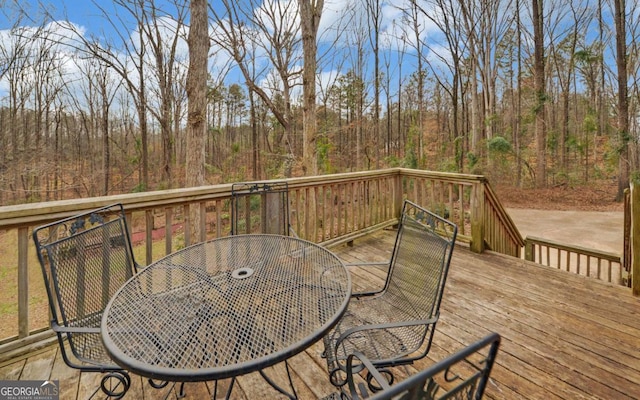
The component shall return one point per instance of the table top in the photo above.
(225, 307)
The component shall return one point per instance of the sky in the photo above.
(88, 17)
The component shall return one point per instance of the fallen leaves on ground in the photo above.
(595, 197)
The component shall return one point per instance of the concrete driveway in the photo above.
(592, 229)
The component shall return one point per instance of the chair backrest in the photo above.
(260, 207)
(84, 260)
(420, 262)
(463, 375)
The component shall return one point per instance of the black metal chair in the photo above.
(462, 375)
(84, 260)
(260, 207)
(395, 325)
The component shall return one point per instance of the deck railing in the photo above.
(632, 237)
(328, 209)
(579, 260)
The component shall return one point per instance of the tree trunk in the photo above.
(198, 42)
(310, 13)
(623, 101)
(540, 127)
(518, 107)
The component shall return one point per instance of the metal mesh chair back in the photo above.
(260, 207)
(395, 326)
(418, 269)
(463, 375)
(84, 259)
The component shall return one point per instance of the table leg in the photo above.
(277, 387)
(214, 395)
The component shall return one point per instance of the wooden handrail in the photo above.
(580, 260)
(501, 234)
(327, 209)
(635, 239)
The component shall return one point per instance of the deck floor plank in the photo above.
(68, 378)
(39, 366)
(12, 371)
(583, 345)
(564, 336)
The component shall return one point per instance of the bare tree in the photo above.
(446, 16)
(100, 93)
(374, 10)
(270, 28)
(414, 34)
(353, 85)
(17, 51)
(150, 52)
(162, 34)
(197, 106)
(620, 21)
(486, 23)
(540, 89)
(310, 13)
(566, 26)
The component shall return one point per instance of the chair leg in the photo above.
(159, 385)
(115, 384)
(371, 382)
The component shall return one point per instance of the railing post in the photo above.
(477, 217)
(635, 240)
(528, 250)
(23, 282)
(399, 195)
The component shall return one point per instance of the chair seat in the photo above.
(462, 375)
(379, 344)
(88, 348)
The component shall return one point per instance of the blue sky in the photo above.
(89, 17)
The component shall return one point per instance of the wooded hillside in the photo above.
(527, 93)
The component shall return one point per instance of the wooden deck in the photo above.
(564, 336)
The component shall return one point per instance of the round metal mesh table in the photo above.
(225, 307)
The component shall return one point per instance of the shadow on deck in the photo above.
(564, 336)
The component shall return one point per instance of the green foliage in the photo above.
(634, 177)
(573, 143)
(447, 165)
(235, 148)
(212, 169)
(410, 155)
(499, 145)
(590, 123)
(410, 158)
(393, 161)
(598, 173)
(324, 147)
(139, 188)
(472, 160)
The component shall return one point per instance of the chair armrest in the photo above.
(370, 264)
(72, 329)
(375, 374)
(362, 264)
(390, 325)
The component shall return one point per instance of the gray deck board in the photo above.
(564, 336)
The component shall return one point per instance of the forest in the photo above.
(529, 93)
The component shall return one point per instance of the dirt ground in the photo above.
(585, 216)
(596, 197)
